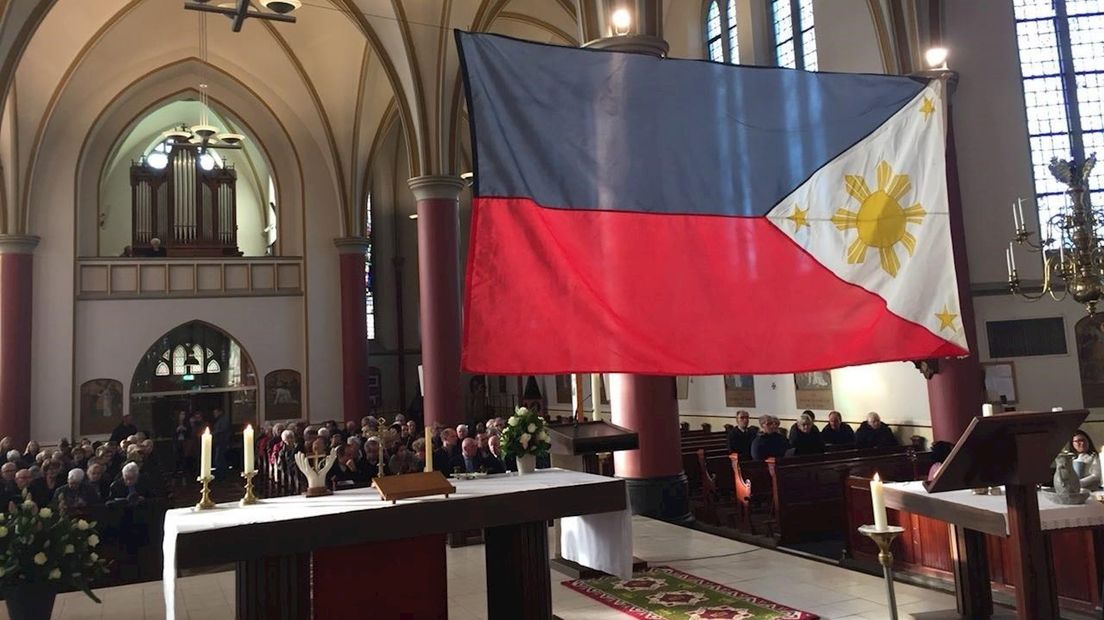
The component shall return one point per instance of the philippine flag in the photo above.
(681, 217)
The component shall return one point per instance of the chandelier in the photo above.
(203, 135)
(239, 10)
(1073, 264)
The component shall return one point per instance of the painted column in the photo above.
(438, 199)
(957, 391)
(645, 404)
(354, 328)
(16, 261)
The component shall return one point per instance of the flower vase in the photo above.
(526, 463)
(31, 601)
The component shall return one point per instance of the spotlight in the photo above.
(621, 21)
(283, 7)
(936, 57)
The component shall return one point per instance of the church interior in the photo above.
(221, 214)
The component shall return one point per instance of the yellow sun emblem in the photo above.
(881, 221)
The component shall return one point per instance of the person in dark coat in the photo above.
(874, 434)
(769, 442)
(125, 429)
(836, 433)
(741, 435)
(806, 440)
(470, 460)
(220, 441)
(794, 426)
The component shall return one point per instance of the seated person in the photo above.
(34, 488)
(769, 442)
(469, 461)
(741, 435)
(403, 460)
(350, 466)
(75, 494)
(1086, 461)
(795, 425)
(130, 488)
(806, 440)
(502, 464)
(940, 450)
(836, 433)
(874, 434)
(100, 485)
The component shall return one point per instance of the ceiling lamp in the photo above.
(239, 11)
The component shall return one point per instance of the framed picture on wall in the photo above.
(1000, 382)
(814, 390)
(563, 389)
(283, 395)
(101, 406)
(682, 387)
(739, 390)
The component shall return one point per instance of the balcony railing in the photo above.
(153, 278)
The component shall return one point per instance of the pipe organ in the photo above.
(191, 210)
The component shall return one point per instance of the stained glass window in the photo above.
(1061, 44)
(369, 301)
(794, 35)
(720, 18)
(162, 369)
(179, 354)
(213, 368)
(178, 357)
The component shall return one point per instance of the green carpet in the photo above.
(663, 593)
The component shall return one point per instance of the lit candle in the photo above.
(595, 394)
(428, 449)
(987, 410)
(247, 448)
(877, 499)
(205, 455)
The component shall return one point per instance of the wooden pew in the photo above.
(752, 489)
(925, 549)
(809, 491)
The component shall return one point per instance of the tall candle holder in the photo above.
(249, 497)
(205, 502)
(884, 539)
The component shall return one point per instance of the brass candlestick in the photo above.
(249, 497)
(205, 502)
(884, 539)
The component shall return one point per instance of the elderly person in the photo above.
(350, 466)
(835, 432)
(30, 453)
(101, 486)
(462, 431)
(372, 457)
(806, 439)
(874, 434)
(793, 427)
(34, 488)
(75, 494)
(741, 435)
(130, 487)
(469, 461)
(769, 443)
(403, 461)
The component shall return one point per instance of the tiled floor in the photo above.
(834, 593)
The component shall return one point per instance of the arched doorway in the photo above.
(194, 368)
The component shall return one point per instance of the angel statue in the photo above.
(315, 467)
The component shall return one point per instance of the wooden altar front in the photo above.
(301, 558)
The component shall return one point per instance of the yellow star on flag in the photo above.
(799, 217)
(927, 106)
(946, 319)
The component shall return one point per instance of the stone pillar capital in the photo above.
(18, 244)
(635, 43)
(352, 245)
(437, 187)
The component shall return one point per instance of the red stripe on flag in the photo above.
(553, 291)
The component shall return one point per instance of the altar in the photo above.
(294, 555)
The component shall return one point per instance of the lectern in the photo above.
(1015, 450)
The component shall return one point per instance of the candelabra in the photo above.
(884, 539)
(1073, 263)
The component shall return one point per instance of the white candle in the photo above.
(428, 449)
(247, 448)
(205, 454)
(1058, 409)
(595, 395)
(1019, 212)
(987, 410)
(1011, 257)
(1008, 261)
(877, 499)
(1015, 218)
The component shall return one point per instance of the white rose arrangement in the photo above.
(524, 434)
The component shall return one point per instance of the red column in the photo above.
(439, 295)
(354, 328)
(16, 260)
(653, 473)
(956, 392)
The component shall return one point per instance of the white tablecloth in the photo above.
(1053, 516)
(600, 541)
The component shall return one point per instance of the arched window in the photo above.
(794, 38)
(369, 301)
(205, 361)
(720, 18)
(1062, 66)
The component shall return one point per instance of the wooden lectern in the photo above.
(1015, 450)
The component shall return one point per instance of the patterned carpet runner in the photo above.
(663, 593)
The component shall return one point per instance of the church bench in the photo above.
(693, 470)
(809, 491)
(717, 507)
(925, 549)
(751, 488)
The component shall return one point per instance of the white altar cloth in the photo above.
(599, 541)
(1053, 516)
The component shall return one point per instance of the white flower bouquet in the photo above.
(524, 434)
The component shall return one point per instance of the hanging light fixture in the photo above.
(239, 10)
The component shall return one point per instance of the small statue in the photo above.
(1067, 486)
(316, 471)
